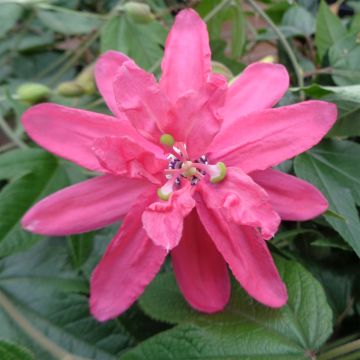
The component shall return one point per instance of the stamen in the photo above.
(167, 140)
(216, 172)
(182, 149)
(166, 190)
(188, 169)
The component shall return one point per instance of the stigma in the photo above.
(181, 168)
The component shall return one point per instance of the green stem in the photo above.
(341, 351)
(76, 56)
(297, 68)
(33, 333)
(215, 10)
(11, 135)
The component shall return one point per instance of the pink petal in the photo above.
(163, 220)
(207, 121)
(200, 270)
(83, 207)
(106, 69)
(247, 255)
(265, 138)
(123, 156)
(293, 198)
(259, 86)
(139, 97)
(70, 133)
(241, 201)
(130, 262)
(186, 62)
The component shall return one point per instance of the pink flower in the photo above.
(187, 165)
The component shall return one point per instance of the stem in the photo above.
(76, 56)
(327, 70)
(341, 350)
(297, 68)
(215, 10)
(10, 134)
(34, 333)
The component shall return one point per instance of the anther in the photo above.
(216, 172)
(166, 190)
(167, 140)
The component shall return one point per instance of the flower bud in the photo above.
(70, 89)
(32, 93)
(219, 68)
(139, 12)
(86, 80)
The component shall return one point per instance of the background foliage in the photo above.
(47, 52)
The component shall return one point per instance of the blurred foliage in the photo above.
(47, 52)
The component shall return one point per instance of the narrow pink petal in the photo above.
(196, 119)
(186, 63)
(83, 207)
(106, 69)
(207, 120)
(138, 96)
(265, 138)
(200, 269)
(259, 86)
(241, 201)
(247, 255)
(70, 133)
(121, 155)
(163, 220)
(130, 262)
(293, 198)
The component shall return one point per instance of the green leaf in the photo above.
(9, 15)
(142, 42)
(11, 351)
(344, 59)
(355, 24)
(334, 168)
(45, 289)
(245, 329)
(299, 21)
(329, 29)
(68, 22)
(34, 175)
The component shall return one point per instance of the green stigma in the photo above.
(163, 196)
(167, 140)
(221, 173)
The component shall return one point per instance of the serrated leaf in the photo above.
(334, 168)
(142, 42)
(36, 174)
(344, 59)
(245, 329)
(299, 20)
(68, 22)
(44, 288)
(9, 15)
(329, 29)
(11, 351)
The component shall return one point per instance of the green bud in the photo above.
(219, 68)
(86, 80)
(32, 93)
(70, 89)
(139, 12)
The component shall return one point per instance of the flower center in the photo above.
(181, 168)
